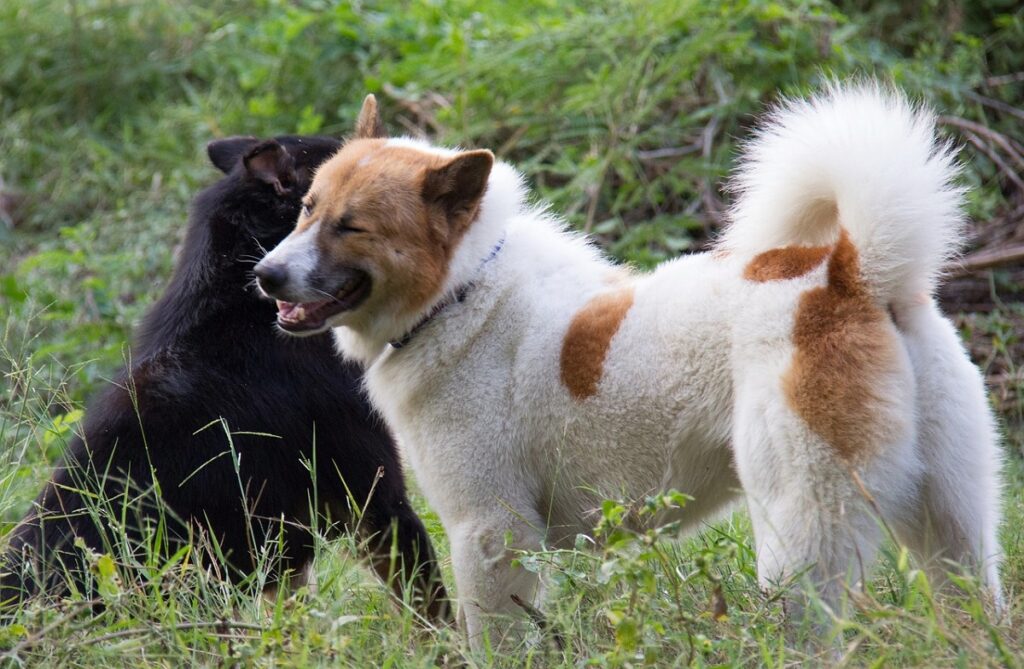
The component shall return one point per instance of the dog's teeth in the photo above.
(299, 313)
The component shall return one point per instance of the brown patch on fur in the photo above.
(587, 341)
(844, 345)
(408, 208)
(785, 263)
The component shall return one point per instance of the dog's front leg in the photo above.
(483, 550)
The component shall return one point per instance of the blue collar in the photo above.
(457, 297)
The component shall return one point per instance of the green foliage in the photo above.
(625, 115)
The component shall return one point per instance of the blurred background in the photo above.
(624, 115)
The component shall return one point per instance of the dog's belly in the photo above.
(629, 470)
(661, 416)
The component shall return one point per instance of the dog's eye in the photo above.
(306, 209)
(344, 225)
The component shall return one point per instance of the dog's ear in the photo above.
(459, 184)
(369, 125)
(225, 153)
(270, 163)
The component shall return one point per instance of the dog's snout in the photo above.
(271, 276)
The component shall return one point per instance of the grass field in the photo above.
(624, 115)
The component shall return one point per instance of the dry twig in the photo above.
(998, 105)
(989, 258)
(1004, 79)
(978, 129)
(987, 149)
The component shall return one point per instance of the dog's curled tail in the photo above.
(861, 157)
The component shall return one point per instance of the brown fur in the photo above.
(410, 208)
(369, 124)
(785, 263)
(844, 344)
(588, 339)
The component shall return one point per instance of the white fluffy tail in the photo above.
(863, 158)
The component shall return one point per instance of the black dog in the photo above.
(209, 362)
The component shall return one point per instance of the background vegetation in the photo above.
(624, 115)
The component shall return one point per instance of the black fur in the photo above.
(209, 350)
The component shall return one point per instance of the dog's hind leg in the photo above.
(958, 510)
(818, 513)
(810, 524)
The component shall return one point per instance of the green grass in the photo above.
(625, 115)
(646, 598)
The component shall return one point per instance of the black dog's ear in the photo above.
(225, 153)
(272, 164)
(369, 125)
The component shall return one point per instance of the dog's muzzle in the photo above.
(271, 277)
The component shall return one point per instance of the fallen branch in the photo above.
(998, 105)
(987, 259)
(995, 158)
(988, 133)
(1004, 79)
(1003, 229)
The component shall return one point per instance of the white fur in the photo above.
(873, 157)
(690, 395)
(960, 489)
(298, 252)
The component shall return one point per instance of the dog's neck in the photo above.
(458, 296)
(504, 200)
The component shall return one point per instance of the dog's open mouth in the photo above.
(312, 316)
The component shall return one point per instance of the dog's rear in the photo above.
(872, 402)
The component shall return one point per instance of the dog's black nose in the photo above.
(271, 277)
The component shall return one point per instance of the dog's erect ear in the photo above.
(459, 184)
(225, 153)
(369, 125)
(270, 163)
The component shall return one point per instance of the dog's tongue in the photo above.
(286, 309)
(296, 312)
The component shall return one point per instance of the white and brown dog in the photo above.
(803, 363)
